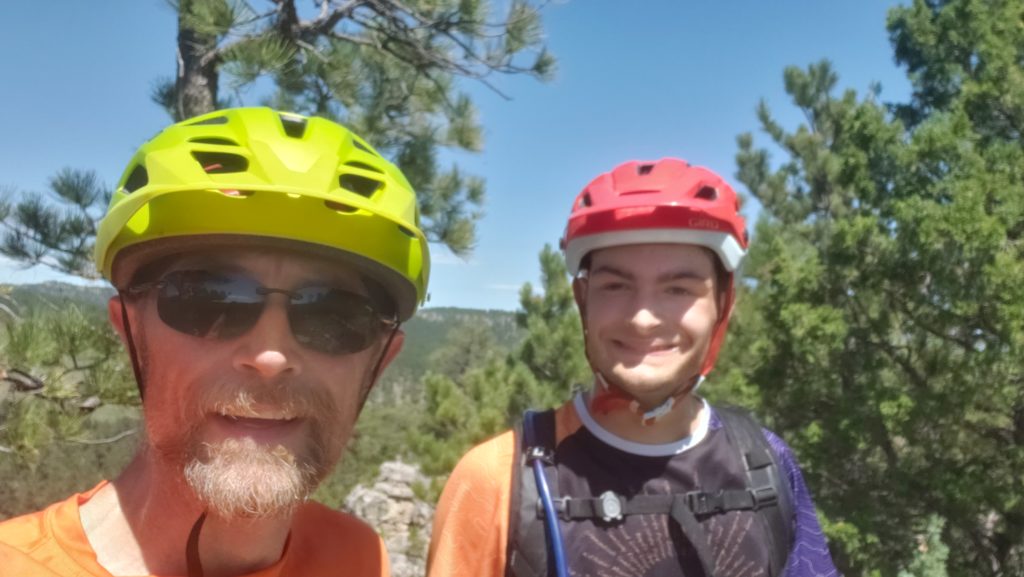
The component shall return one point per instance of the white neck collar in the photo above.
(643, 449)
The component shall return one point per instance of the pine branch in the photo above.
(433, 59)
(312, 50)
(104, 441)
(23, 381)
(329, 19)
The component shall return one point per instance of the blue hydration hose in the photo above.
(551, 520)
(550, 515)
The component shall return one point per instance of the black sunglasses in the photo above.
(225, 305)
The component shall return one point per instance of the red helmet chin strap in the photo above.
(611, 397)
(718, 336)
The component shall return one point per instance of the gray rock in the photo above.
(403, 521)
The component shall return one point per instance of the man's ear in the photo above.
(116, 315)
(579, 292)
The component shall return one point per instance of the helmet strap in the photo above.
(611, 397)
(378, 365)
(132, 351)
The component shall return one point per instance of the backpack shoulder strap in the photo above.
(766, 482)
(527, 553)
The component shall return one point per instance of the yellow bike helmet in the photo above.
(248, 176)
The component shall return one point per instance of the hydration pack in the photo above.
(767, 493)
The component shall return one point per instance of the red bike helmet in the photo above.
(668, 201)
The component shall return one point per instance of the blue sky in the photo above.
(664, 78)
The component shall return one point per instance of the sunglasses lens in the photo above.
(209, 305)
(223, 306)
(333, 321)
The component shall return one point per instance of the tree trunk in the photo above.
(196, 84)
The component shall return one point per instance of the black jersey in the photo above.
(652, 545)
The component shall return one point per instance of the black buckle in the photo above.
(561, 507)
(703, 503)
(763, 497)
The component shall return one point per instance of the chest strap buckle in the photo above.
(609, 507)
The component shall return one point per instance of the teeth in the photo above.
(234, 416)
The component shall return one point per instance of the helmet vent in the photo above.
(707, 193)
(364, 166)
(212, 120)
(644, 169)
(221, 162)
(340, 207)
(294, 126)
(585, 200)
(360, 185)
(363, 147)
(407, 232)
(136, 180)
(214, 140)
(235, 193)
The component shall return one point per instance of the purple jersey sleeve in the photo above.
(809, 556)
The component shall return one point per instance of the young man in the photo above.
(264, 262)
(638, 475)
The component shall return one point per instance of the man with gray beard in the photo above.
(263, 262)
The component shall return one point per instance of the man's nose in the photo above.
(268, 349)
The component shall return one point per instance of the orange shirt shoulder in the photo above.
(470, 533)
(325, 542)
(52, 543)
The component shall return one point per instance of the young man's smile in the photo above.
(650, 311)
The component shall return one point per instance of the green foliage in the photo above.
(425, 409)
(63, 385)
(102, 448)
(728, 383)
(55, 229)
(931, 554)
(886, 293)
(464, 411)
(553, 347)
(474, 392)
(59, 360)
(963, 54)
(382, 434)
(430, 330)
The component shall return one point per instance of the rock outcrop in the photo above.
(390, 505)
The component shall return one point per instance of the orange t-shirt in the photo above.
(322, 542)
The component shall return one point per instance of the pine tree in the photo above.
(57, 365)
(483, 398)
(386, 69)
(889, 290)
(931, 552)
